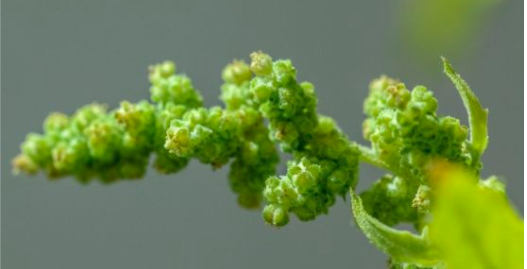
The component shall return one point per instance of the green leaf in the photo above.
(401, 246)
(474, 226)
(477, 115)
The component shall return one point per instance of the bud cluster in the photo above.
(325, 162)
(405, 131)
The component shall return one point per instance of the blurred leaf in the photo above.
(474, 226)
(434, 27)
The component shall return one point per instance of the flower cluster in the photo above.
(264, 104)
(92, 143)
(216, 135)
(390, 200)
(405, 131)
(113, 145)
(325, 162)
(406, 136)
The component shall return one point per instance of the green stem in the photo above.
(368, 156)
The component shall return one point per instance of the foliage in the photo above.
(434, 27)
(474, 225)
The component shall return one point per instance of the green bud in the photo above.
(289, 101)
(261, 63)
(389, 200)
(87, 114)
(339, 180)
(424, 99)
(170, 88)
(397, 96)
(23, 163)
(103, 136)
(422, 200)
(167, 114)
(325, 125)
(261, 89)
(56, 122)
(272, 182)
(161, 71)
(178, 141)
(236, 72)
(308, 87)
(284, 72)
(286, 132)
(37, 148)
(304, 175)
(195, 117)
(71, 156)
(134, 117)
(454, 128)
(201, 135)
(167, 68)
(234, 96)
(275, 215)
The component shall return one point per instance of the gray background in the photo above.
(59, 55)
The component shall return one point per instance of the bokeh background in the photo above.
(58, 55)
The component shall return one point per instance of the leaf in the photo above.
(477, 115)
(474, 226)
(401, 246)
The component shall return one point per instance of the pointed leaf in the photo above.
(477, 115)
(401, 246)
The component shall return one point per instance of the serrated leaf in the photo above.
(477, 115)
(401, 246)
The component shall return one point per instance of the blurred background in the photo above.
(59, 55)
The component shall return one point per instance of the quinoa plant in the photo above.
(433, 162)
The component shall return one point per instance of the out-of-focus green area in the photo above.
(474, 225)
(430, 28)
